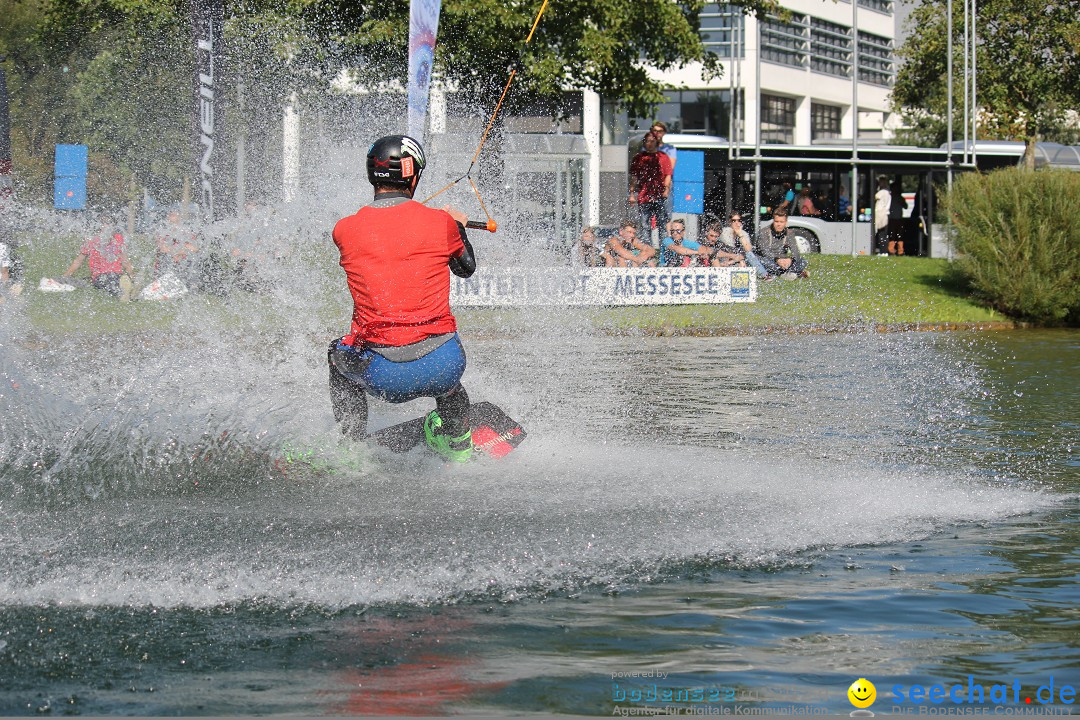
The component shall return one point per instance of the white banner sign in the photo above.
(604, 286)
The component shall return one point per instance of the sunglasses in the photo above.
(677, 230)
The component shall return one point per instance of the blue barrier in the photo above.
(69, 189)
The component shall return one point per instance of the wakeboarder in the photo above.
(403, 342)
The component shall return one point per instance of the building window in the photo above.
(876, 59)
(830, 48)
(687, 112)
(884, 7)
(705, 112)
(786, 43)
(824, 121)
(777, 119)
(881, 6)
(719, 23)
(614, 124)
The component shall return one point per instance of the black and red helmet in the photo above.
(395, 160)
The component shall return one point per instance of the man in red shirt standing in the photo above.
(650, 185)
(403, 342)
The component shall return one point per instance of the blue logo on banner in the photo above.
(740, 284)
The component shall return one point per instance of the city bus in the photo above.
(714, 178)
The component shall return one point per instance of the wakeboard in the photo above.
(494, 432)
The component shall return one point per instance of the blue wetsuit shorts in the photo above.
(430, 375)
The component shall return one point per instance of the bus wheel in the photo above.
(806, 240)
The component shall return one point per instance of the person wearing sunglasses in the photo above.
(735, 245)
(677, 250)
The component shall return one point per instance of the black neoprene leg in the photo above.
(349, 402)
(453, 408)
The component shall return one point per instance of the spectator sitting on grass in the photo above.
(627, 250)
(587, 251)
(711, 242)
(104, 254)
(729, 246)
(175, 250)
(676, 250)
(9, 265)
(734, 240)
(777, 251)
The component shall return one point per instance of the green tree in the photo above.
(116, 74)
(1028, 61)
(133, 101)
(37, 78)
(49, 44)
(579, 44)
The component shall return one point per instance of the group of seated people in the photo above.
(772, 252)
(183, 260)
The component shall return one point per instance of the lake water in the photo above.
(752, 521)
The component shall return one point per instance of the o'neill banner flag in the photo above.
(211, 167)
(423, 25)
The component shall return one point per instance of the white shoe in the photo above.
(50, 285)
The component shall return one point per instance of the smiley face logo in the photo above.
(862, 693)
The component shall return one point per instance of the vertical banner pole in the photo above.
(974, 101)
(854, 198)
(6, 189)
(757, 129)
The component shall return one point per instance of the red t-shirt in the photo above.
(104, 256)
(396, 262)
(650, 169)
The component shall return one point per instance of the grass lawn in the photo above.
(92, 312)
(843, 292)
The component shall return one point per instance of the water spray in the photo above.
(490, 224)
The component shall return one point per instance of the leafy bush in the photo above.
(1018, 237)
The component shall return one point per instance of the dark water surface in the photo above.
(753, 521)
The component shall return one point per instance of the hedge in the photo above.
(1018, 241)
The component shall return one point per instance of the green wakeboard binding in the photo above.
(455, 449)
